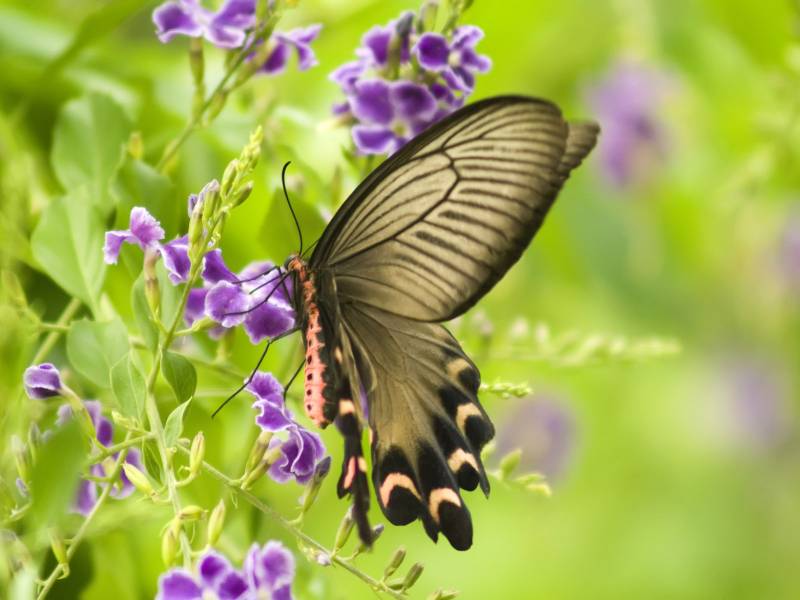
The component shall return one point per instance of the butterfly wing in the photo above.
(439, 223)
(427, 426)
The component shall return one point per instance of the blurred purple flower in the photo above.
(627, 101)
(176, 259)
(757, 403)
(298, 40)
(392, 98)
(225, 29)
(42, 381)
(544, 429)
(89, 490)
(144, 231)
(268, 572)
(789, 252)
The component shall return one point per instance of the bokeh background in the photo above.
(674, 475)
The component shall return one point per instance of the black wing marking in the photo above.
(437, 225)
(427, 425)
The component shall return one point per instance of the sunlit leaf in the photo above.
(180, 374)
(174, 425)
(128, 385)
(94, 348)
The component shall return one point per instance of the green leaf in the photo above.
(56, 473)
(88, 145)
(139, 184)
(180, 375)
(141, 312)
(174, 425)
(68, 244)
(128, 385)
(93, 348)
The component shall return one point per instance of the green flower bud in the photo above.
(541, 489)
(344, 531)
(151, 290)
(242, 195)
(123, 421)
(191, 513)
(394, 563)
(59, 551)
(312, 490)
(510, 462)
(138, 479)
(169, 543)
(229, 177)
(413, 574)
(427, 16)
(197, 453)
(216, 522)
(443, 595)
(257, 452)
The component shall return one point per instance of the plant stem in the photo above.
(81, 533)
(218, 91)
(112, 450)
(59, 327)
(294, 530)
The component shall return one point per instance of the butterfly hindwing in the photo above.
(427, 424)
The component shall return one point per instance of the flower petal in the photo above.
(265, 387)
(376, 44)
(175, 18)
(268, 320)
(176, 259)
(113, 245)
(145, 228)
(42, 381)
(432, 51)
(277, 59)
(195, 305)
(227, 304)
(211, 567)
(178, 584)
(375, 140)
(215, 269)
(85, 498)
(347, 75)
(239, 14)
(371, 102)
(412, 101)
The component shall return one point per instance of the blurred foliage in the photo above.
(670, 493)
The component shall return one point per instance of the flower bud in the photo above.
(191, 513)
(59, 551)
(242, 195)
(488, 450)
(427, 16)
(397, 559)
(197, 453)
(123, 421)
(151, 291)
(401, 32)
(257, 452)
(413, 574)
(20, 457)
(169, 543)
(211, 194)
(138, 479)
(443, 595)
(541, 489)
(229, 177)
(312, 490)
(344, 531)
(510, 462)
(136, 145)
(216, 522)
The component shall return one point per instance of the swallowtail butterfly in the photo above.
(420, 241)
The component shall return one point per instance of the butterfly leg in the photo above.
(353, 480)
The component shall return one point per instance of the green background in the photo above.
(668, 492)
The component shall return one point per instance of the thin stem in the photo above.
(112, 450)
(215, 95)
(52, 337)
(59, 569)
(294, 530)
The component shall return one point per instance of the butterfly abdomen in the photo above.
(319, 398)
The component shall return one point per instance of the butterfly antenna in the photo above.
(246, 383)
(291, 209)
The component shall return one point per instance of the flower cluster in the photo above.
(267, 572)
(403, 81)
(302, 450)
(229, 27)
(627, 102)
(259, 297)
(44, 381)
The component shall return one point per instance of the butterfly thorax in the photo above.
(319, 398)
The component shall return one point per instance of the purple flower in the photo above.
(391, 113)
(268, 572)
(300, 453)
(457, 61)
(176, 259)
(144, 231)
(42, 381)
(627, 103)
(215, 269)
(298, 40)
(89, 490)
(274, 415)
(225, 29)
(388, 104)
(544, 430)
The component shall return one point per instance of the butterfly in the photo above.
(424, 237)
